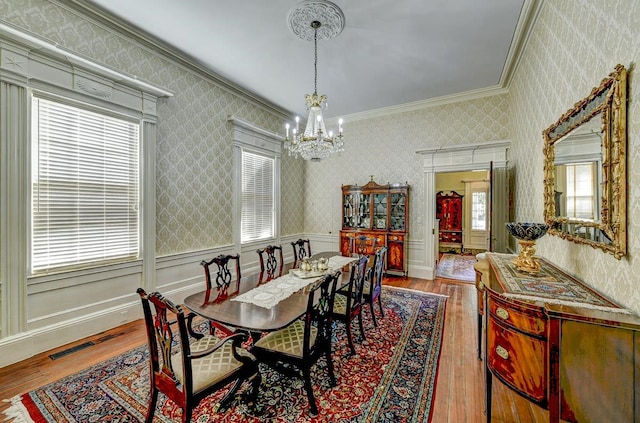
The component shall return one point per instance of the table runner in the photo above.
(550, 285)
(272, 292)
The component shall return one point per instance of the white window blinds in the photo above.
(257, 216)
(84, 187)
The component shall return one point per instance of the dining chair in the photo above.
(196, 368)
(301, 249)
(373, 285)
(348, 305)
(271, 267)
(223, 279)
(295, 349)
(223, 276)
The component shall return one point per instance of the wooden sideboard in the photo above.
(580, 358)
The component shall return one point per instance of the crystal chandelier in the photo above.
(326, 20)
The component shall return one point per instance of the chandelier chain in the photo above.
(315, 60)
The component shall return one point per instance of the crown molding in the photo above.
(423, 104)
(528, 17)
(104, 18)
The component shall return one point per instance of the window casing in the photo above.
(84, 186)
(256, 184)
(258, 197)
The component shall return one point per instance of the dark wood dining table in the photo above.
(251, 317)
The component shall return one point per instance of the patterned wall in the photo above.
(194, 144)
(573, 46)
(385, 148)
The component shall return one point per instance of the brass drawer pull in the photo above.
(502, 313)
(503, 353)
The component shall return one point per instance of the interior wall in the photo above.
(573, 46)
(385, 147)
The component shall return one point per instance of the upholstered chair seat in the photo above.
(340, 305)
(289, 340)
(210, 369)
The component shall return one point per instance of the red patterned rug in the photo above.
(456, 266)
(391, 378)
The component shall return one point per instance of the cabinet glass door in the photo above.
(349, 213)
(380, 211)
(398, 204)
(365, 211)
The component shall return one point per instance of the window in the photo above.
(580, 191)
(258, 212)
(478, 211)
(85, 187)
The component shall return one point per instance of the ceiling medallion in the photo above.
(305, 13)
(312, 20)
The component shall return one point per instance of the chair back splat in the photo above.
(296, 348)
(348, 304)
(301, 249)
(223, 276)
(271, 267)
(373, 286)
(198, 368)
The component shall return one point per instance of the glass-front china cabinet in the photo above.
(379, 212)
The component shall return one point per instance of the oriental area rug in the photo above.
(456, 266)
(391, 379)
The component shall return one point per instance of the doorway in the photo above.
(462, 158)
(463, 229)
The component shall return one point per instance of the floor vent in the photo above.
(71, 350)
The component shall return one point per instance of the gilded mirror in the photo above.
(585, 178)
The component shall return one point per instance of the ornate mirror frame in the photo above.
(609, 100)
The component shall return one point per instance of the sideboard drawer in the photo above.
(528, 319)
(518, 359)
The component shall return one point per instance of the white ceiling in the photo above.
(391, 52)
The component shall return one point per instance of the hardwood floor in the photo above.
(459, 394)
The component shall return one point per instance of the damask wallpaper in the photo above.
(194, 153)
(573, 46)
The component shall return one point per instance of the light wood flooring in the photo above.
(459, 389)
